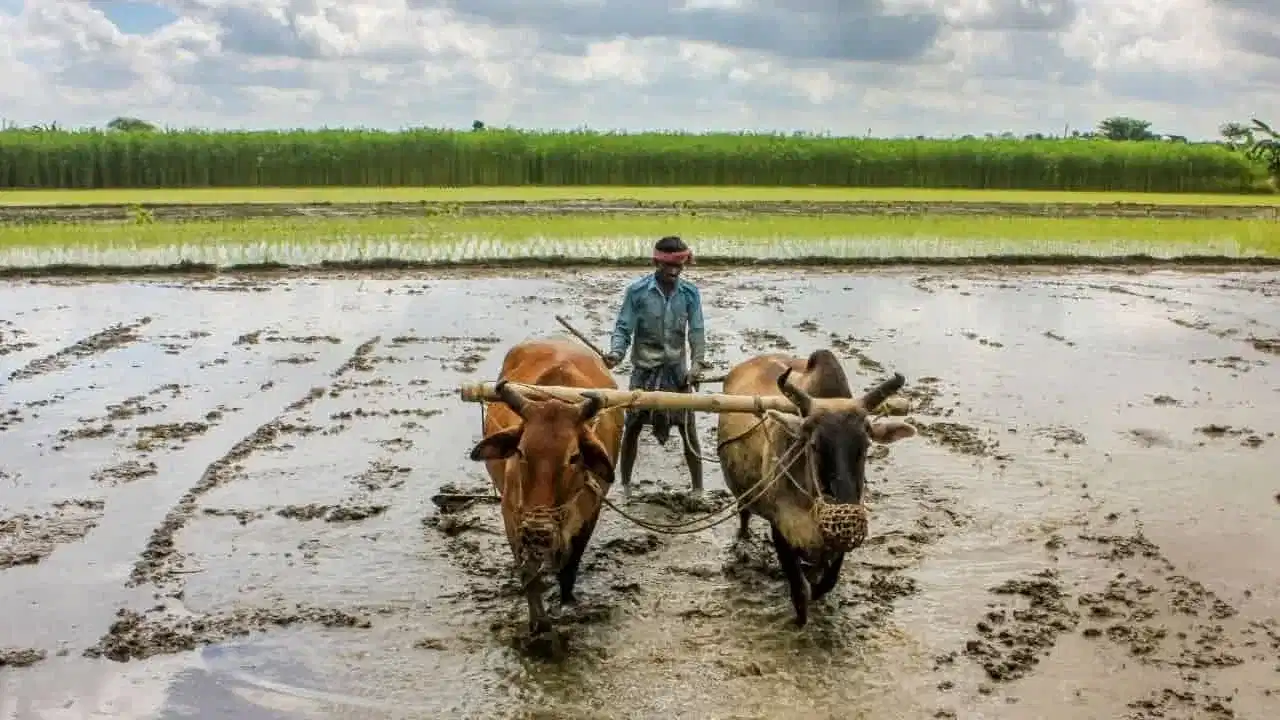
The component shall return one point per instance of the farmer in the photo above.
(660, 309)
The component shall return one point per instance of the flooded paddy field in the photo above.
(215, 495)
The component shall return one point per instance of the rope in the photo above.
(754, 493)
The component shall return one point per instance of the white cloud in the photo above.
(891, 66)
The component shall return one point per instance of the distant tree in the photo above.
(477, 126)
(130, 124)
(1264, 146)
(1120, 127)
(1237, 135)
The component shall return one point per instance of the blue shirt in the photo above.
(659, 324)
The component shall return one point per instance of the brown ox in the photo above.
(539, 453)
(815, 508)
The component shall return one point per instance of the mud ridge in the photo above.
(134, 636)
(26, 539)
(117, 335)
(20, 657)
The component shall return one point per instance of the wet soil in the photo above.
(268, 537)
(28, 538)
(180, 212)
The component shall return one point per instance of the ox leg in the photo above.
(688, 430)
(630, 439)
(568, 575)
(790, 563)
(744, 524)
(830, 576)
(539, 623)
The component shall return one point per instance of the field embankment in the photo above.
(115, 206)
(437, 158)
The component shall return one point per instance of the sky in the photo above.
(848, 67)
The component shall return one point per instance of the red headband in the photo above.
(674, 258)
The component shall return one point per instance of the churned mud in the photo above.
(227, 211)
(262, 484)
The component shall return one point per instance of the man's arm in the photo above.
(697, 330)
(623, 327)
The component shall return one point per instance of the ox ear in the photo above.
(888, 432)
(498, 446)
(595, 458)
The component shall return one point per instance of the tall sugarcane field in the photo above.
(256, 461)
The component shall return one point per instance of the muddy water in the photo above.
(216, 495)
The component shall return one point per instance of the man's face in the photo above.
(669, 271)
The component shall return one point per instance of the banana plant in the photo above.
(1265, 147)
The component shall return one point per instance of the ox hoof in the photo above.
(569, 598)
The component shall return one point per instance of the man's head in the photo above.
(670, 254)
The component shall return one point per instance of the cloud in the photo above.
(935, 67)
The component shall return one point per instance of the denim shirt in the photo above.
(659, 324)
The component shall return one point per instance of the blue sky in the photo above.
(884, 67)
(135, 18)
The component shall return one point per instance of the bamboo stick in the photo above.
(639, 399)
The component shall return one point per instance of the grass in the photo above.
(425, 157)
(301, 241)
(298, 195)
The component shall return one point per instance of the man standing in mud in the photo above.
(661, 310)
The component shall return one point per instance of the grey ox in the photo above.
(816, 503)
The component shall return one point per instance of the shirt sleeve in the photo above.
(624, 326)
(697, 328)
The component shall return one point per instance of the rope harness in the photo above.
(843, 526)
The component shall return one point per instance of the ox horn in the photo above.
(881, 392)
(511, 396)
(797, 396)
(589, 407)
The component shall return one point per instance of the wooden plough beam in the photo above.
(638, 399)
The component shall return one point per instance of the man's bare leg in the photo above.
(688, 430)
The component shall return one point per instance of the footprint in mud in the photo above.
(1150, 438)
(27, 539)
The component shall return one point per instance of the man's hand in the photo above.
(611, 360)
(696, 374)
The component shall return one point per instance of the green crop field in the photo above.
(742, 194)
(610, 239)
(46, 160)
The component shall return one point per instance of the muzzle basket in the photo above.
(843, 525)
(539, 532)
